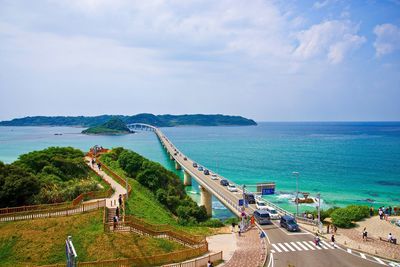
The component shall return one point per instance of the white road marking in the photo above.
(379, 260)
(301, 245)
(283, 247)
(349, 250)
(323, 246)
(308, 245)
(363, 255)
(294, 245)
(276, 248)
(287, 244)
(326, 244)
(313, 244)
(272, 251)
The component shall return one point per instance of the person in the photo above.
(233, 227)
(371, 211)
(391, 239)
(115, 221)
(209, 264)
(380, 212)
(333, 240)
(117, 212)
(364, 234)
(390, 210)
(317, 240)
(240, 230)
(327, 228)
(120, 200)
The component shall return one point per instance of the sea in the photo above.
(345, 162)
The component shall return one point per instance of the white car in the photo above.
(273, 213)
(261, 205)
(232, 188)
(214, 176)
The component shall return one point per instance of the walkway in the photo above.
(112, 201)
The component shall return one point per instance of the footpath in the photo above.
(376, 228)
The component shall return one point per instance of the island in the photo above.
(112, 127)
(155, 120)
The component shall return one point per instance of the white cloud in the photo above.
(387, 39)
(332, 38)
(320, 4)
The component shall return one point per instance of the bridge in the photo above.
(285, 249)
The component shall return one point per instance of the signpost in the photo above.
(266, 188)
(70, 252)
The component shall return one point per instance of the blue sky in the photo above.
(267, 60)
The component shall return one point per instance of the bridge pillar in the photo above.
(177, 166)
(205, 200)
(171, 157)
(187, 179)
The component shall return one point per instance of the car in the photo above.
(250, 198)
(262, 217)
(200, 168)
(185, 158)
(175, 154)
(273, 213)
(232, 188)
(206, 172)
(195, 164)
(214, 176)
(260, 205)
(289, 223)
(224, 182)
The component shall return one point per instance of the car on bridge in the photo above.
(195, 164)
(250, 198)
(262, 217)
(289, 223)
(185, 158)
(200, 168)
(224, 182)
(261, 205)
(273, 213)
(214, 176)
(232, 188)
(206, 172)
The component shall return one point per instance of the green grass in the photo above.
(42, 241)
(142, 203)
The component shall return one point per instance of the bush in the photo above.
(229, 221)
(342, 218)
(215, 223)
(357, 213)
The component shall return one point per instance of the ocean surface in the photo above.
(346, 162)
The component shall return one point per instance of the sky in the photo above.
(325, 60)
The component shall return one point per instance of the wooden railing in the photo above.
(115, 176)
(199, 262)
(53, 212)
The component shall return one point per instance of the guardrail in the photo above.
(199, 262)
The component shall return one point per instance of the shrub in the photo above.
(357, 213)
(342, 218)
(212, 223)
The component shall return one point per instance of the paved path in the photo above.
(112, 201)
(222, 242)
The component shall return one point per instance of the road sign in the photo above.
(246, 203)
(268, 191)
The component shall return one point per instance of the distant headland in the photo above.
(111, 127)
(155, 120)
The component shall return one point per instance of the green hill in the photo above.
(156, 120)
(113, 126)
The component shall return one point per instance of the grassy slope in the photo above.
(42, 241)
(142, 203)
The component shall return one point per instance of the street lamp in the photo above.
(297, 191)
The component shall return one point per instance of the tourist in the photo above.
(334, 229)
(233, 227)
(364, 234)
(115, 220)
(380, 212)
(333, 240)
(391, 239)
(117, 212)
(316, 240)
(386, 213)
(327, 228)
(390, 210)
(120, 200)
(371, 211)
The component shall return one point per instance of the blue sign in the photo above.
(245, 203)
(268, 191)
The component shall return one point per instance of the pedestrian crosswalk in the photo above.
(299, 246)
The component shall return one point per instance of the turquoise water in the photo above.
(346, 162)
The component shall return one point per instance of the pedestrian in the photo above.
(120, 200)
(334, 228)
(117, 212)
(327, 228)
(371, 211)
(364, 234)
(333, 240)
(390, 210)
(115, 221)
(380, 212)
(233, 227)
(240, 229)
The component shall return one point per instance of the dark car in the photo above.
(200, 168)
(289, 223)
(206, 172)
(250, 198)
(185, 158)
(224, 182)
(195, 164)
(262, 217)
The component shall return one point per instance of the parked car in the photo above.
(273, 213)
(232, 188)
(250, 198)
(214, 176)
(200, 168)
(261, 205)
(289, 223)
(224, 182)
(195, 164)
(185, 158)
(206, 172)
(262, 216)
